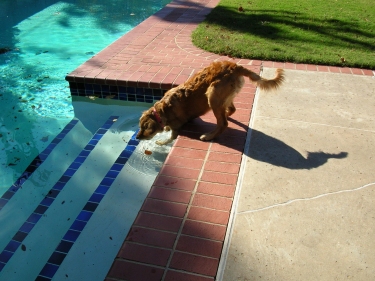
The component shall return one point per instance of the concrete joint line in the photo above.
(305, 199)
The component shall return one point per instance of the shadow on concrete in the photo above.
(276, 152)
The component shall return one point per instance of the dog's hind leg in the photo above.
(222, 123)
(231, 109)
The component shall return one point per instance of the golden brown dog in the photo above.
(212, 88)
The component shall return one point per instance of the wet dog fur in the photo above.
(212, 88)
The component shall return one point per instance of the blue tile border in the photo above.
(123, 93)
(66, 243)
(35, 164)
(27, 227)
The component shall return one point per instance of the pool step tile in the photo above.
(26, 228)
(78, 225)
(38, 160)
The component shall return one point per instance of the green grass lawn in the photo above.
(327, 32)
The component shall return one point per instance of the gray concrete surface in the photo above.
(306, 207)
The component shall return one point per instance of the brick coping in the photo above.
(180, 230)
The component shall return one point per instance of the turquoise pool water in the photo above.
(46, 40)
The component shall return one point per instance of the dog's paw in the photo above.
(164, 142)
(159, 142)
(205, 137)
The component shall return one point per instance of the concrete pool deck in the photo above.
(286, 193)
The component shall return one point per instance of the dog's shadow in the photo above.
(276, 152)
(262, 146)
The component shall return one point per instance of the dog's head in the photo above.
(148, 126)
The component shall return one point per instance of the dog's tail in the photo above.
(264, 84)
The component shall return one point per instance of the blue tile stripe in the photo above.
(66, 243)
(29, 224)
(35, 164)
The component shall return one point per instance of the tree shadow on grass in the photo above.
(263, 24)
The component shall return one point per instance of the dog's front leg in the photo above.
(174, 135)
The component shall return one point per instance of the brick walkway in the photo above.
(180, 230)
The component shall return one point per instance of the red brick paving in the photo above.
(180, 230)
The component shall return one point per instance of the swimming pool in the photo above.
(47, 40)
(61, 158)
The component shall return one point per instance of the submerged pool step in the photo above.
(72, 234)
(24, 197)
(35, 164)
(39, 223)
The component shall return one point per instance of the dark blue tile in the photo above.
(80, 159)
(113, 89)
(43, 156)
(5, 256)
(64, 246)
(70, 172)
(126, 153)
(59, 185)
(96, 137)
(19, 236)
(3, 202)
(7, 195)
(89, 147)
(89, 86)
(47, 201)
(2, 265)
(40, 209)
(130, 90)
(53, 193)
(96, 198)
(26, 227)
(64, 179)
(122, 90)
(84, 216)
(117, 167)
(41, 278)
(107, 181)
(112, 174)
(101, 189)
(74, 166)
(105, 88)
(130, 148)
(71, 235)
(84, 153)
(148, 91)
(48, 150)
(90, 207)
(34, 218)
(49, 270)
(133, 142)
(14, 188)
(78, 225)
(101, 131)
(123, 97)
(97, 87)
(121, 160)
(57, 258)
(94, 141)
(12, 246)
